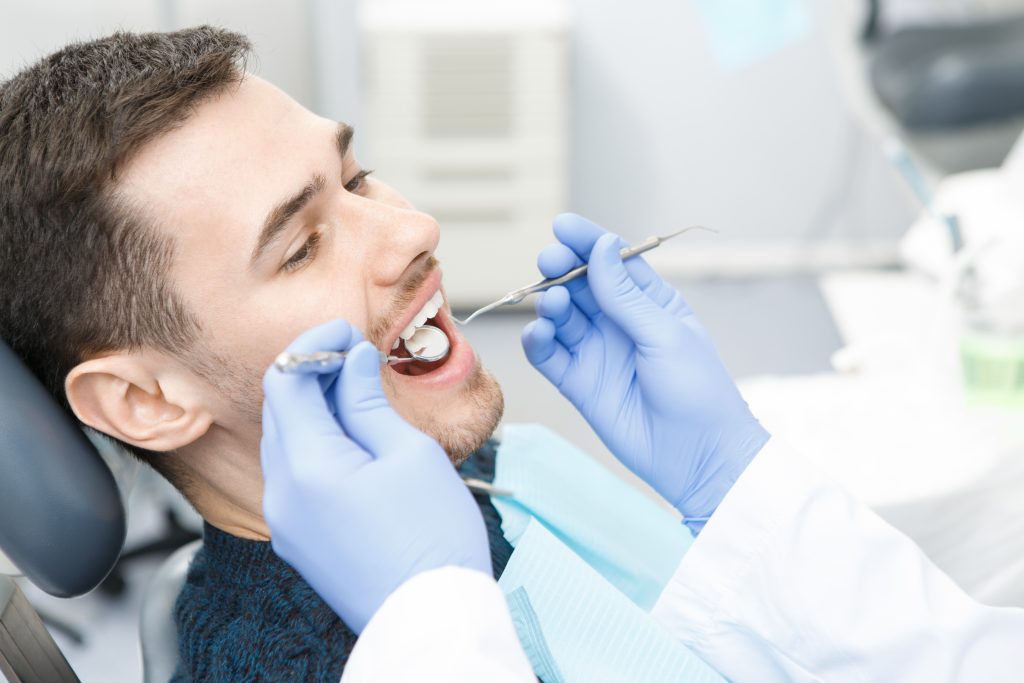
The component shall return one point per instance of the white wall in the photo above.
(29, 30)
(280, 31)
(661, 135)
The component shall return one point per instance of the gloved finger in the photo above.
(664, 295)
(648, 280)
(619, 296)
(311, 446)
(296, 400)
(274, 466)
(571, 325)
(578, 233)
(653, 285)
(334, 335)
(282, 469)
(556, 260)
(269, 448)
(677, 305)
(545, 352)
(365, 412)
(327, 374)
(299, 408)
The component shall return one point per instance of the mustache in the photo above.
(406, 294)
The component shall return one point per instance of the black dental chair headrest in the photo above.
(61, 517)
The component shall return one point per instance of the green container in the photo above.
(993, 367)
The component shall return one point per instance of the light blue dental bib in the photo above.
(591, 557)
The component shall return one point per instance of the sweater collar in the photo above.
(242, 559)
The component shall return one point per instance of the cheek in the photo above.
(253, 334)
(418, 413)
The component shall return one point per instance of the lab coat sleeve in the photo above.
(793, 580)
(450, 624)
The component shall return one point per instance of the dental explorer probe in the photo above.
(329, 361)
(517, 295)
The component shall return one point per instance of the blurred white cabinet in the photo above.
(466, 106)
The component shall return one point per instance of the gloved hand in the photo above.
(361, 502)
(625, 348)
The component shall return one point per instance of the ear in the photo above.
(140, 399)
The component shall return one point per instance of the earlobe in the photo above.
(121, 396)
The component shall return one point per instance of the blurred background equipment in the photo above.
(954, 87)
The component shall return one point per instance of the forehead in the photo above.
(231, 160)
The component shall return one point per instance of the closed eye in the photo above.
(308, 251)
(304, 254)
(358, 181)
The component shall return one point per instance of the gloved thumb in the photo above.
(618, 295)
(365, 413)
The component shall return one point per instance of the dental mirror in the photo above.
(428, 344)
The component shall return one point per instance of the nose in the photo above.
(400, 235)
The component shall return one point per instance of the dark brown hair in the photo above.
(81, 272)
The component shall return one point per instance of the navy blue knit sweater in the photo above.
(245, 615)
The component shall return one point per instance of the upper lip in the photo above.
(427, 289)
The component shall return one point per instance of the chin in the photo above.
(463, 424)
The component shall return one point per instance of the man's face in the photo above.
(276, 230)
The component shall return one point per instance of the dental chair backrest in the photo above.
(62, 520)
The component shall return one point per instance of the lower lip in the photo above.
(460, 363)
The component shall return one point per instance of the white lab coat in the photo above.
(791, 580)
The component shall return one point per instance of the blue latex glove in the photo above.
(358, 502)
(625, 348)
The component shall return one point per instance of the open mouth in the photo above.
(432, 313)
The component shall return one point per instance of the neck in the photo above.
(224, 482)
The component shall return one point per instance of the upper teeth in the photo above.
(428, 311)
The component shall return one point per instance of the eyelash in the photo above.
(308, 250)
(358, 180)
(305, 253)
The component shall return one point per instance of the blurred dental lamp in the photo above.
(956, 90)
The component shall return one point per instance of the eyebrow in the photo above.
(279, 217)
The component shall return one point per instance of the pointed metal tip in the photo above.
(476, 314)
(480, 311)
(688, 229)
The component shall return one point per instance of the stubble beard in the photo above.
(482, 404)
